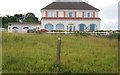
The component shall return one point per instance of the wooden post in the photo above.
(58, 50)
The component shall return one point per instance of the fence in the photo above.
(91, 33)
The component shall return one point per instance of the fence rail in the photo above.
(94, 33)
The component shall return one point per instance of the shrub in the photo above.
(77, 33)
(100, 31)
(84, 34)
(113, 36)
(118, 36)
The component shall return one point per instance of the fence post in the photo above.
(58, 50)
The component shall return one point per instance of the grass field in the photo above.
(36, 53)
(0, 53)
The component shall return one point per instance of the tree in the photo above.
(19, 17)
(30, 17)
(7, 19)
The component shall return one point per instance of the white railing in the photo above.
(94, 33)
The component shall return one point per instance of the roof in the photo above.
(23, 23)
(70, 6)
(71, 18)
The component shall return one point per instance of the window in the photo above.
(88, 15)
(59, 27)
(69, 14)
(49, 27)
(9, 28)
(15, 28)
(26, 28)
(49, 14)
(52, 14)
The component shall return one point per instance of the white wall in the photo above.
(20, 27)
(78, 12)
(61, 14)
(75, 22)
(43, 13)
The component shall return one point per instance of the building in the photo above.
(22, 27)
(70, 15)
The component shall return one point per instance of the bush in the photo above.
(118, 36)
(77, 33)
(113, 36)
(100, 31)
(84, 34)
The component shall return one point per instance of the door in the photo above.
(92, 27)
(82, 27)
(70, 28)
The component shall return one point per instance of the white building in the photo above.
(22, 27)
(70, 15)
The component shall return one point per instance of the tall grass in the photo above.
(36, 53)
(0, 52)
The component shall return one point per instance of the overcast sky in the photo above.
(108, 9)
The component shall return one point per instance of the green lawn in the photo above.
(36, 53)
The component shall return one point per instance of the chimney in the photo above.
(86, 1)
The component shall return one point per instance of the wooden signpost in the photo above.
(59, 50)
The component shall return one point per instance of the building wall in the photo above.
(92, 17)
(74, 22)
(79, 13)
(20, 27)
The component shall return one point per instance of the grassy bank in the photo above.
(37, 53)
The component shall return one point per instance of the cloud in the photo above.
(109, 17)
(119, 15)
(109, 12)
(109, 24)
